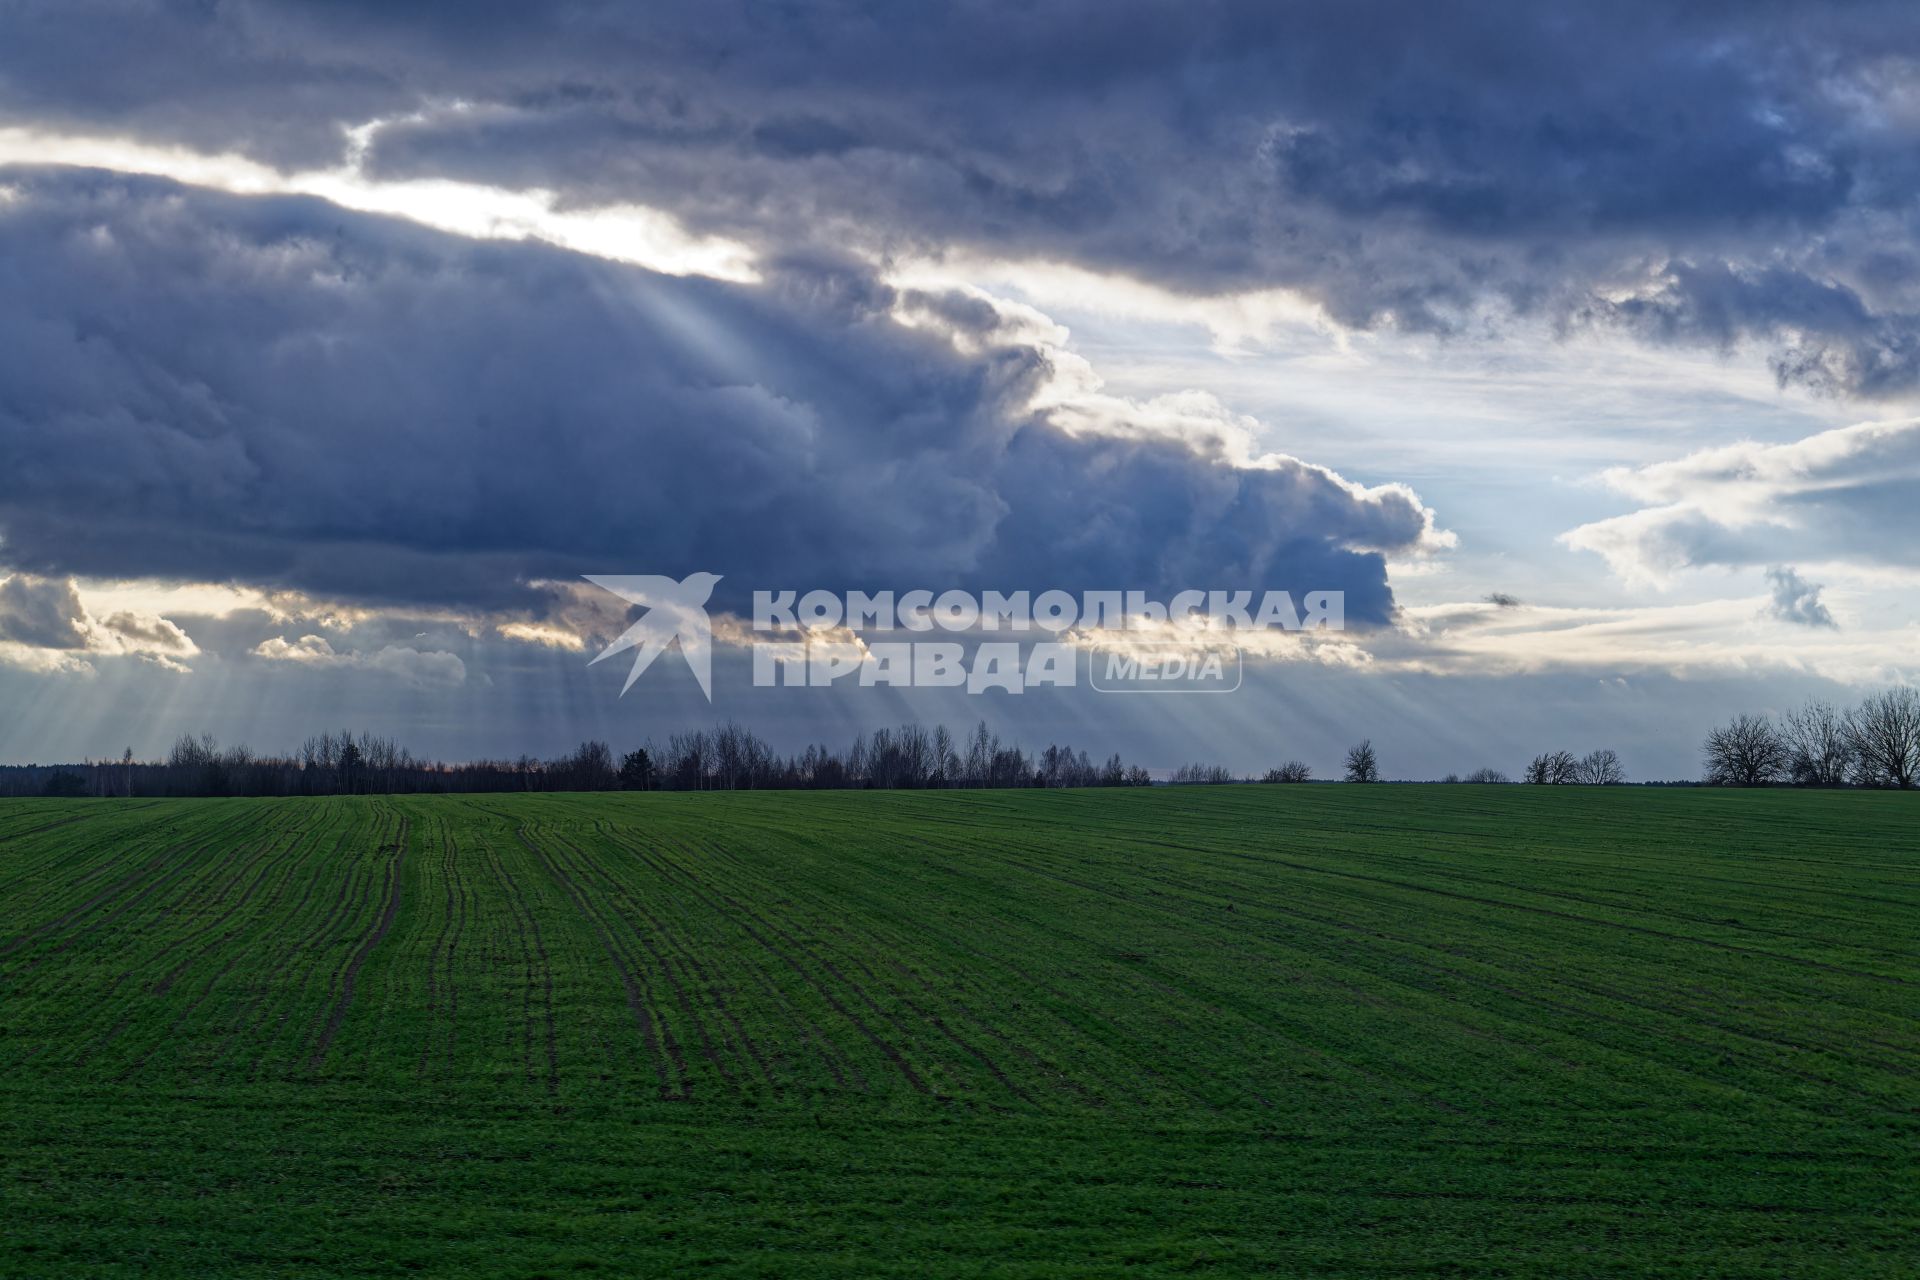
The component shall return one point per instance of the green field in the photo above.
(1355, 1031)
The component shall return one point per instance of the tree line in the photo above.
(727, 758)
(1873, 744)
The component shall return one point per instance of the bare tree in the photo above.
(1885, 735)
(1488, 776)
(1819, 744)
(946, 761)
(1746, 753)
(1208, 774)
(916, 755)
(1362, 764)
(1291, 771)
(1600, 769)
(1553, 768)
(980, 752)
(590, 768)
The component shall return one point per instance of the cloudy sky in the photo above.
(1578, 346)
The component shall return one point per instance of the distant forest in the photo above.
(728, 758)
(1873, 744)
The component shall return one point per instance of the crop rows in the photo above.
(1693, 1018)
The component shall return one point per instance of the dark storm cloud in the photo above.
(1705, 172)
(1823, 333)
(1797, 600)
(274, 392)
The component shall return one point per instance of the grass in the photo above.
(1299, 1031)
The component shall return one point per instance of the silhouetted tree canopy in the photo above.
(1362, 764)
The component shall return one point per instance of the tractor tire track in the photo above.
(312, 832)
(831, 1056)
(636, 993)
(886, 1048)
(621, 894)
(338, 1014)
(535, 965)
(352, 894)
(447, 940)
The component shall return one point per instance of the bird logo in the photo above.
(674, 611)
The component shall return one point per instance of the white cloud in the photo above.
(1843, 496)
(311, 650)
(433, 667)
(1234, 321)
(543, 634)
(623, 233)
(1074, 397)
(44, 661)
(47, 624)
(1731, 636)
